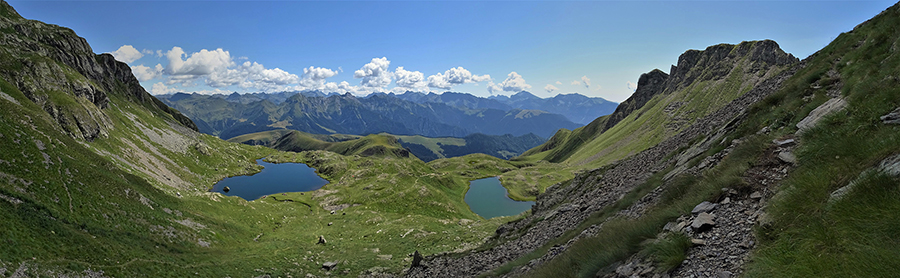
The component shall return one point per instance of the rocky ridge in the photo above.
(59, 71)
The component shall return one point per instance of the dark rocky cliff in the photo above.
(649, 84)
(59, 71)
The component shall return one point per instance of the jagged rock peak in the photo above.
(717, 61)
(649, 85)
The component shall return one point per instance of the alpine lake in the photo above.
(486, 197)
(274, 178)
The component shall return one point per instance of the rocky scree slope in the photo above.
(564, 206)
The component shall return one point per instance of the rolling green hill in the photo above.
(424, 148)
(369, 145)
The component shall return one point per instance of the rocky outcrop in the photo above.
(891, 118)
(649, 85)
(830, 106)
(714, 63)
(59, 71)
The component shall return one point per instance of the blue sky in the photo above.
(479, 47)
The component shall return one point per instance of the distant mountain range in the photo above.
(577, 108)
(431, 115)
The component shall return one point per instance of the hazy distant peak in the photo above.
(523, 95)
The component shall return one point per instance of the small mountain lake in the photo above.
(274, 178)
(487, 198)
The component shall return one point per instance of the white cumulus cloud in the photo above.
(550, 88)
(314, 78)
(586, 81)
(200, 63)
(144, 73)
(409, 79)
(161, 89)
(127, 54)
(217, 69)
(439, 81)
(576, 82)
(375, 74)
(455, 76)
(558, 83)
(514, 83)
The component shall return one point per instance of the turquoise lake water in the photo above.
(274, 178)
(487, 198)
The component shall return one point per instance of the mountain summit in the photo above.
(59, 72)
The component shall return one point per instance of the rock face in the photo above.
(649, 85)
(713, 63)
(58, 70)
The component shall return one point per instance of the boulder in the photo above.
(329, 265)
(724, 274)
(322, 240)
(703, 221)
(788, 157)
(892, 118)
(226, 189)
(704, 207)
(830, 106)
(785, 142)
(890, 166)
(625, 270)
(756, 195)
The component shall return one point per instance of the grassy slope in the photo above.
(807, 237)
(855, 236)
(260, 138)
(432, 144)
(589, 147)
(297, 141)
(402, 205)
